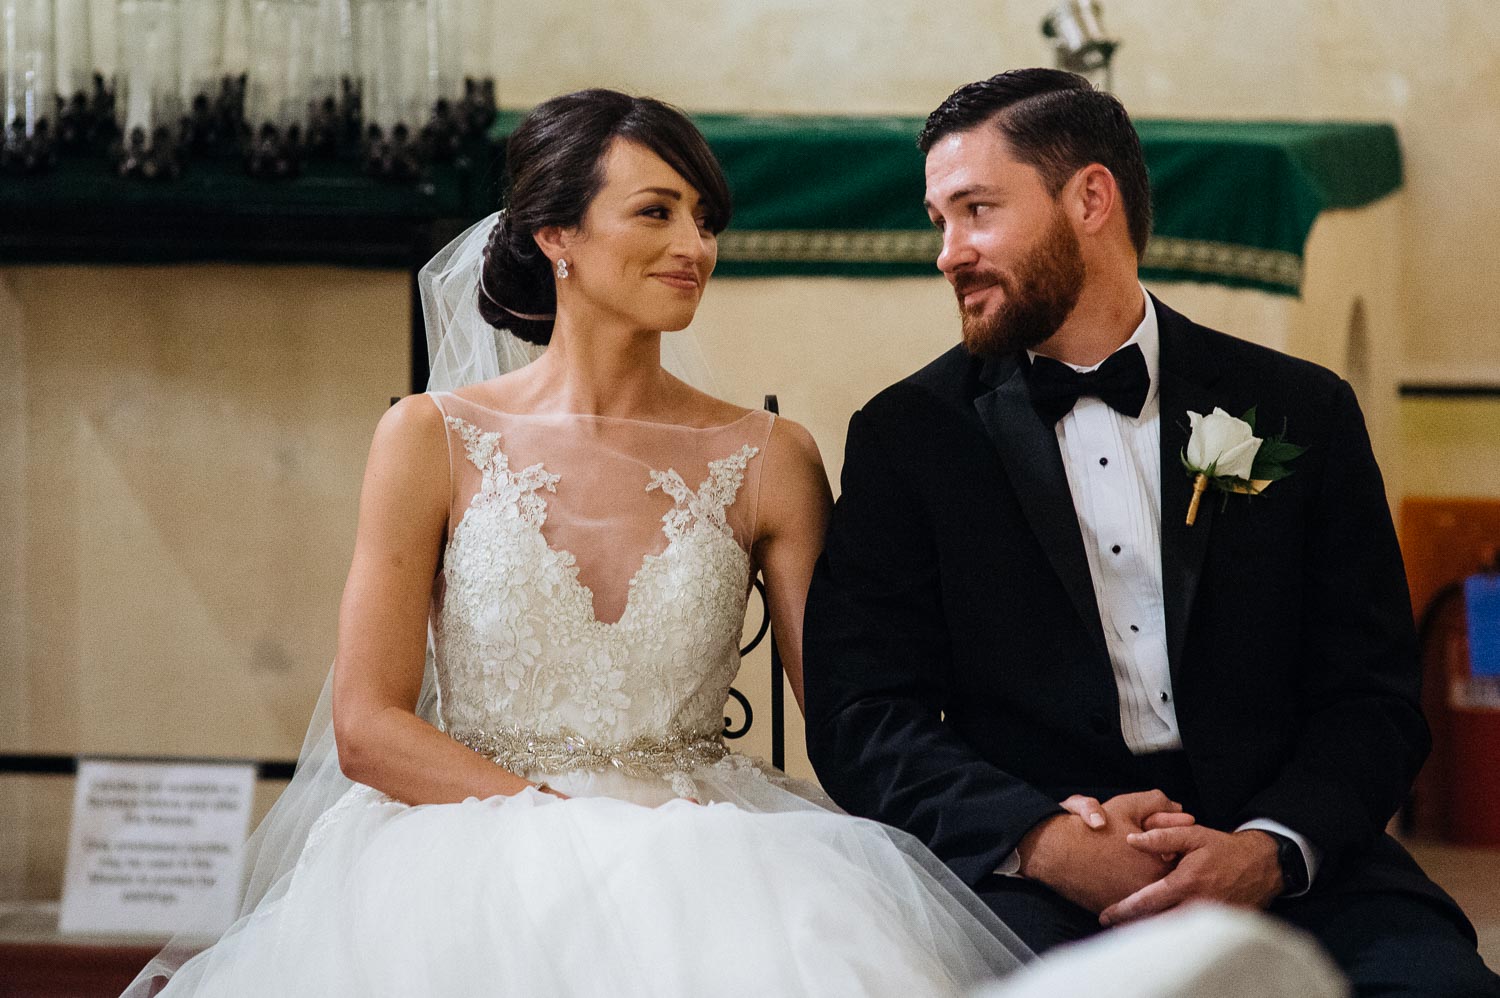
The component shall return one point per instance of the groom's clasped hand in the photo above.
(1098, 855)
(1166, 859)
(1232, 867)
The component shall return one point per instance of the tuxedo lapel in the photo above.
(1187, 375)
(1029, 452)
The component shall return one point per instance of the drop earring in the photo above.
(562, 269)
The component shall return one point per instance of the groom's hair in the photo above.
(1057, 123)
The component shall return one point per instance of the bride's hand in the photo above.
(546, 789)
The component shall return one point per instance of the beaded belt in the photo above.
(526, 751)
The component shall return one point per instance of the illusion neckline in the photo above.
(572, 570)
(612, 419)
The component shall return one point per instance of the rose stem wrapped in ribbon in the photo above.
(1224, 453)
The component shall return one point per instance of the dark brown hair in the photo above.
(1057, 123)
(554, 166)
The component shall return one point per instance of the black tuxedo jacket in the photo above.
(957, 682)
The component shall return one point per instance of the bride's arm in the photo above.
(403, 515)
(794, 505)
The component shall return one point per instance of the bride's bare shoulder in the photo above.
(693, 407)
(408, 463)
(411, 427)
(792, 452)
(794, 493)
(414, 416)
(506, 393)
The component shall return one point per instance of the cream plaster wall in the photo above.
(1452, 447)
(183, 449)
(194, 440)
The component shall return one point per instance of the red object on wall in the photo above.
(1474, 814)
(1457, 795)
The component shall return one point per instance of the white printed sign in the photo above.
(156, 847)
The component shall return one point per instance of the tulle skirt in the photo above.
(623, 890)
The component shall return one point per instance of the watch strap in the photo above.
(1293, 864)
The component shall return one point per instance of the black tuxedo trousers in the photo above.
(957, 680)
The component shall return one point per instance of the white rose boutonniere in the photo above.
(1224, 453)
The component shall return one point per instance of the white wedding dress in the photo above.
(586, 625)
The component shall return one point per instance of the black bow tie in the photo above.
(1122, 382)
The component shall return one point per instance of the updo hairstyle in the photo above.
(554, 166)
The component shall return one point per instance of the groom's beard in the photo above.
(1037, 298)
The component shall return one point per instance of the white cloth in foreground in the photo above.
(1200, 951)
(586, 623)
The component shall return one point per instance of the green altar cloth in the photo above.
(843, 195)
(1235, 201)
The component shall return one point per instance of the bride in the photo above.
(548, 807)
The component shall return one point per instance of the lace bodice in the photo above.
(523, 650)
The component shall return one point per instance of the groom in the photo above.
(1013, 609)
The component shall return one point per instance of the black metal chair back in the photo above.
(778, 692)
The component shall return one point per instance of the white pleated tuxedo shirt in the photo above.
(1113, 463)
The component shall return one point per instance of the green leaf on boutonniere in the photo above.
(1224, 454)
(1273, 460)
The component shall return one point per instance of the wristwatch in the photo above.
(1293, 865)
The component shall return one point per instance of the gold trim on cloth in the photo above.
(529, 752)
(836, 245)
(1200, 256)
(1196, 256)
